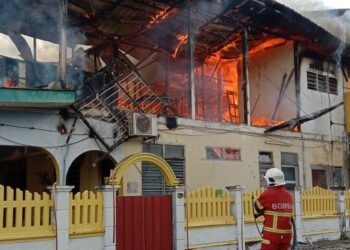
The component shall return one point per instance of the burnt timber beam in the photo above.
(245, 86)
(297, 78)
(191, 47)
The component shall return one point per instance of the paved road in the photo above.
(329, 245)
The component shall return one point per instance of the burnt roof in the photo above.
(154, 25)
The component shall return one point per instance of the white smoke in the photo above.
(315, 5)
(331, 15)
(319, 11)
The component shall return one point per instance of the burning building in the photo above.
(215, 88)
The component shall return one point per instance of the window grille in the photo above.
(322, 80)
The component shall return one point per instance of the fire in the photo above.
(265, 122)
(267, 44)
(231, 46)
(182, 40)
(161, 16)
(218, 84)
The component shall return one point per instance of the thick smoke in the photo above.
(333, 16)
(315, 5)
(21, 20)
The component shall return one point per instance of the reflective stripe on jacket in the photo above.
(276, 204)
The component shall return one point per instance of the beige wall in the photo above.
(201, 172)
(133, 176)
(266, 74)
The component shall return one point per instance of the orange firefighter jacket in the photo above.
(276, 204)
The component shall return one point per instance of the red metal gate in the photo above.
(144, 223)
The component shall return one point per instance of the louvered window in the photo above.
(322, 83)
(311, 80)
(333, 86)
(152, 179)
(319, 79)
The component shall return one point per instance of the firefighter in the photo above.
(276, 205)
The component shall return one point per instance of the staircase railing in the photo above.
(115, 101)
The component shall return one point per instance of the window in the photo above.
(152, 179)
(319, 178)
(223, 153)
(311, 80)
(265, 163)
(322, 80)
(214, 153)
(327, 176)
(337, 176)
(289, 166)
(332, 87)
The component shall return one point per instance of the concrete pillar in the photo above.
(298, 213)
(237, 209)
(179, 218)
(109, 213)
(60, 194)
(341, 209)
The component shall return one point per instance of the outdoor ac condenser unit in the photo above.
(142, 125)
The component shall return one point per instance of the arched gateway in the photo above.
(161, 164)
(149, 218)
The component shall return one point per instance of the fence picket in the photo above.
(9, 210)
(22, 215)
(19, 201)
(2, 207)
(248, 204)
(318, 202)
(86, 213)
(206, 208)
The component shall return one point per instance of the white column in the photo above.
(109, 213)
(60, 194)
(341, 209)
(237, 210)
(298, 213)
(178, 218)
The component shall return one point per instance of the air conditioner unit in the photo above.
(142, 125)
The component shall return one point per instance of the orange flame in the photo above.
(161, 16)
(267, 44)
(182, 40)
(265, 122)
(218, 79)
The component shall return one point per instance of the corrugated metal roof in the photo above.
(157, 24)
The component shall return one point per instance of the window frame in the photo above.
(319, 74)
(295, 166)
(222, 153)
(264, 166)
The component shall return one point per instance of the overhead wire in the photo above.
(36, 128)
(43, 146)
(252, 133)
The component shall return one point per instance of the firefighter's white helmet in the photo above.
(274, 177)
